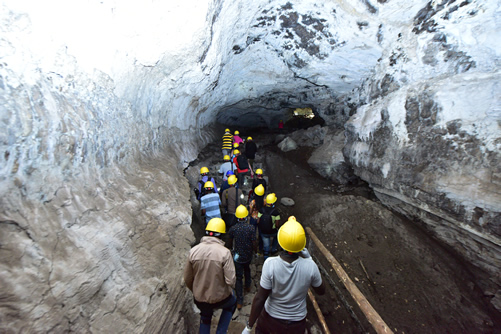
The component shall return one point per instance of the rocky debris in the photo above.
(286, 201)
(328, 160)
(313, 136)
(287, 145)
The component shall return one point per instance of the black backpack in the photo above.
(242, 162)
(266, 222)
(203, 191)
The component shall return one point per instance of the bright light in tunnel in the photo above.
(304, 112)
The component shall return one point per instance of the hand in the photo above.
(247, 330)
(304, 253)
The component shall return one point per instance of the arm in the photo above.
(317, 278)
(258, 304)
(224, 199)
(214, 182)
(319, 290)
(230, 238)
(229, 271)
(188, 275)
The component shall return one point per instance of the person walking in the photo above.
(231, 199)
(256, 202)
(210, 203)
(226, 166)
(268, 224)
(235, 148)
(279, 305)
(250, 151)
(237, 139)
(259, 179)
(227, 142)
(225, 184)
(210, 274)
(204, 173)
(243, 167)
(242, 238)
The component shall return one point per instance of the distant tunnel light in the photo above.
(304, 112)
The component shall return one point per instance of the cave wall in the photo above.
(427, 133)
(94, 207)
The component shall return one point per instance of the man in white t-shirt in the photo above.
(284, 285)
(225, 167)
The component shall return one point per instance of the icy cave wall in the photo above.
(427, 134)
(104, 103)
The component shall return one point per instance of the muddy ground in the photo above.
(413, 282)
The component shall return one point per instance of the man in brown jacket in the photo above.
(230, 199)
(210, 275)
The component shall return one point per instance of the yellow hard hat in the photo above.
(237, 132)
(241, 211)
(209, 184)
(216, 225)
(259, 190)
(249, 138)
(235, 145)
(232, 179)
(227, 130)
(291, 236)
(204, 170)
(236, 152)
(259, 171)
(271, 198)
(226, 158)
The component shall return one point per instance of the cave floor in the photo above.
(413, 282)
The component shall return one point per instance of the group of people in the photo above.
(215, 273)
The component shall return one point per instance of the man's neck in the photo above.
(288, 257)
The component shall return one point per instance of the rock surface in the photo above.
(288, 144)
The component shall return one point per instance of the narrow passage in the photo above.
(413, 282)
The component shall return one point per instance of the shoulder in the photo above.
(270, 263)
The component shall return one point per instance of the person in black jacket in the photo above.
(250, 151)
(259, 179)
(268, 223)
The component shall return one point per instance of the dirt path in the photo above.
(416, 285)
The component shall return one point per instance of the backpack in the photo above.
(242, 162)
(266, 224)
(203, 191)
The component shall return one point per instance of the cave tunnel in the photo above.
(109, 109)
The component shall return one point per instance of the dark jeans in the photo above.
(241, 178)
(242, 269)
(270, 244)
(267, 324)
(228, 306)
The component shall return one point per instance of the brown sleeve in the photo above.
(188, 275)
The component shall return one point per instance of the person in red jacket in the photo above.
(242, 167)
